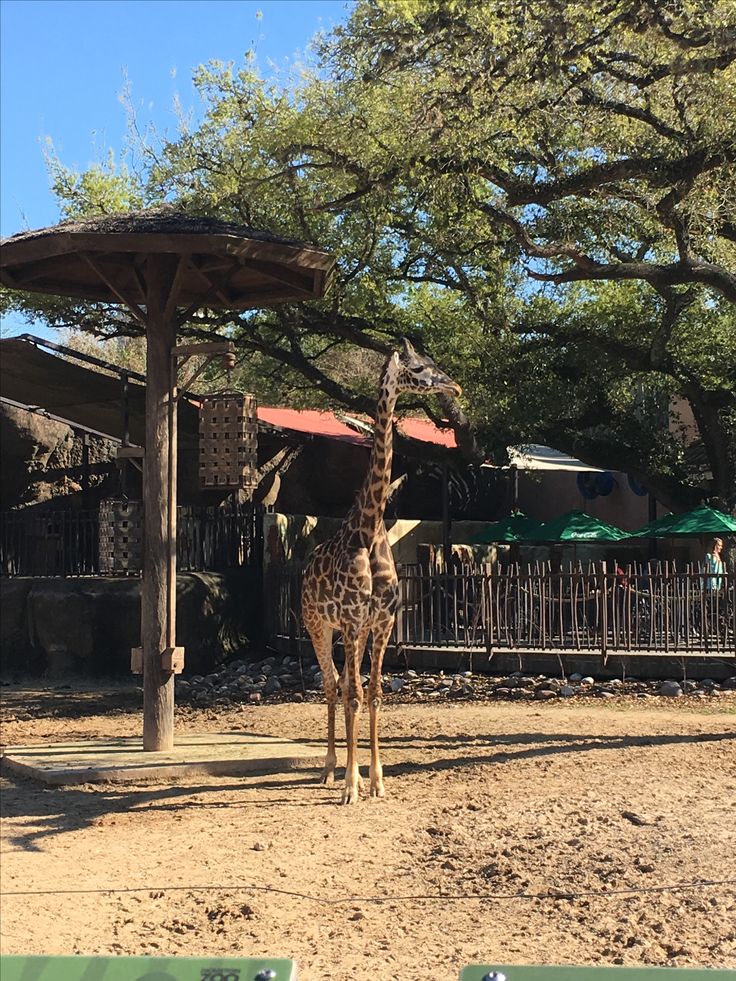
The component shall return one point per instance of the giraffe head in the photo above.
(418, 373)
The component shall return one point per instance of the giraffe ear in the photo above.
(396, 360)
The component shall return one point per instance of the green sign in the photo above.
(508, 972)
(146, 969)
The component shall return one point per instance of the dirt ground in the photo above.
(521, 833)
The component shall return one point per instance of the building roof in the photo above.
(316, 422)
(536, 457)
(78, 394)
(92, 399)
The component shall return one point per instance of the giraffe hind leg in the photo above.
(381, 635)
(321, 634)
(354, 640)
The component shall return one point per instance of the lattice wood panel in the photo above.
(228, 442)
(121, 537)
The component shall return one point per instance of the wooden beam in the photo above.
(175, 290)
(287, 275)
(125, 300)
(205, 298)
(205, 347)
(186, 386)
(140, 280)
(217, 287)
(210, 349)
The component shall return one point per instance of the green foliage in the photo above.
(541, 194)
(105, 188)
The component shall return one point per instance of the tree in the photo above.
(540, 193)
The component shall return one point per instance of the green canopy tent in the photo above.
(576, 526)
(515, 528)
(655, 529)
(702, 520)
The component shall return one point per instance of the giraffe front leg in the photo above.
(352, 698)
(330, 687)
(381, 635)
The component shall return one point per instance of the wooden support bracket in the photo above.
(206, 347)
(130, 453)
(136, 660)
(181, 353)
(172, 659)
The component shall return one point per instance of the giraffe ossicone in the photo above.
(350, 582)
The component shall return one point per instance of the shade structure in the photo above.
(163, 267)
(220, 265)
(702, 520)
(515, 528)
(576, 526)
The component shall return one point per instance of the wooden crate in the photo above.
(228, 442)
(121, 537)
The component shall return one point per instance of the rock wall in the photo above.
(88, 625)
(42, 459)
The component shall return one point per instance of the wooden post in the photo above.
(604, 612)
(85, 470)
(446, 534)
(125, 426)
(171, 502)
(158, 619)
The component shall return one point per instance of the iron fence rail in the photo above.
(653, 609)
(65, 543)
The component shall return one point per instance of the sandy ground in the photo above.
(520, 833)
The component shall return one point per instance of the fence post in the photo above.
(400, 607)
(604, 613)
(487, 607)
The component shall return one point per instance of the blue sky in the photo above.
(65, 63)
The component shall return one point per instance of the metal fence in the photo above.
(66, 543)
(649, 609)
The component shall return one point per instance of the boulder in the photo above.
(671, 689)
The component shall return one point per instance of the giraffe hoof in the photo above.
(350, 795)
(327, 779)
(377, 790)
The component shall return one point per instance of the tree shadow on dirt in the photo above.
(555, 744)
(52, 811)
(570, 740)
(63, 701)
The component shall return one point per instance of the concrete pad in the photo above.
(124, 761)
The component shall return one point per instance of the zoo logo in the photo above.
(220, 974)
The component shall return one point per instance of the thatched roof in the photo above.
(161, 220)
(104, 258)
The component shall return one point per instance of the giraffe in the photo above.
(350, 582)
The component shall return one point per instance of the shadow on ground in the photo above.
(51, 811)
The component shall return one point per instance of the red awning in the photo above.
(311, 421)
(323, 423)
(425, 430)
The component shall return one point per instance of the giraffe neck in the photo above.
(366, 515)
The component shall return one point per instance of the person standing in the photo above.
(715, 566)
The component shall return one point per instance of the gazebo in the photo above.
(163, 266)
